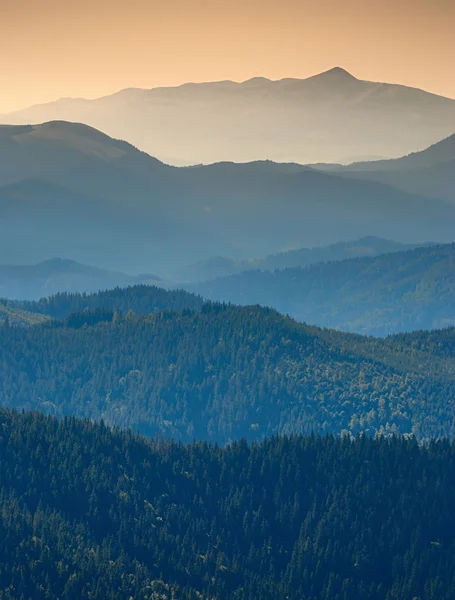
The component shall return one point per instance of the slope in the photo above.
(100, 201)
(140, 299)
(32, 282)
(17, 316)
(87, 512)
(380, 295)
(430, 172)
(330, 117)
(222, 267)
(221, 373)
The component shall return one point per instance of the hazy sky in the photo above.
(55, 48)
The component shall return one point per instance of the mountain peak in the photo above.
(338, 71)
(256, 80)
(335, 74)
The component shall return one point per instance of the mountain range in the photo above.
(162, 362)
(330, 117)
(384, 289)
(57, 275)
(32, 282)
(227, 332)
(219, 266)
(430, 172)
(378, 295)
(69, 190)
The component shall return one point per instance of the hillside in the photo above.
(88, 512)
(18, 316)
(222, 267)
(441, 152)
(222, 372)
(68, 190)
(430, 172)
(330, 117)
(380, 295)
(140, 299)
(32, 282)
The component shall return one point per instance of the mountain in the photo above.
(90, 512)
(140, 299)
(441, 152)
(330, 117)
(430, 172)
(32, 282)
(372, 295)
(222, 267)
(69, 190)
(220, 373)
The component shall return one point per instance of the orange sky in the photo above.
(55, 48)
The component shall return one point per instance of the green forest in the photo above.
(227, 367)
(223, 372)
(88, 512)
(282, 461)
(380, 295)
(141, 299)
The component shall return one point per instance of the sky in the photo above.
(89, 48)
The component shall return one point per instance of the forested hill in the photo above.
(391, 293)
(18, 316)
(141, 299)
(91, 513)
(303, 257)
(224, 372)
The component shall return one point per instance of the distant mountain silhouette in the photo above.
(330, 117)
(221, 267)
(32, 282)
(69, 190)
(441, 152)
(430, 172)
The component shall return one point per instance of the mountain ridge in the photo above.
(328, 117)
(430, 172)
(216, 372)
(381, 295)
(440, 152)
(336, 72)
(63, 275)
(101, 201)
(219, 266)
